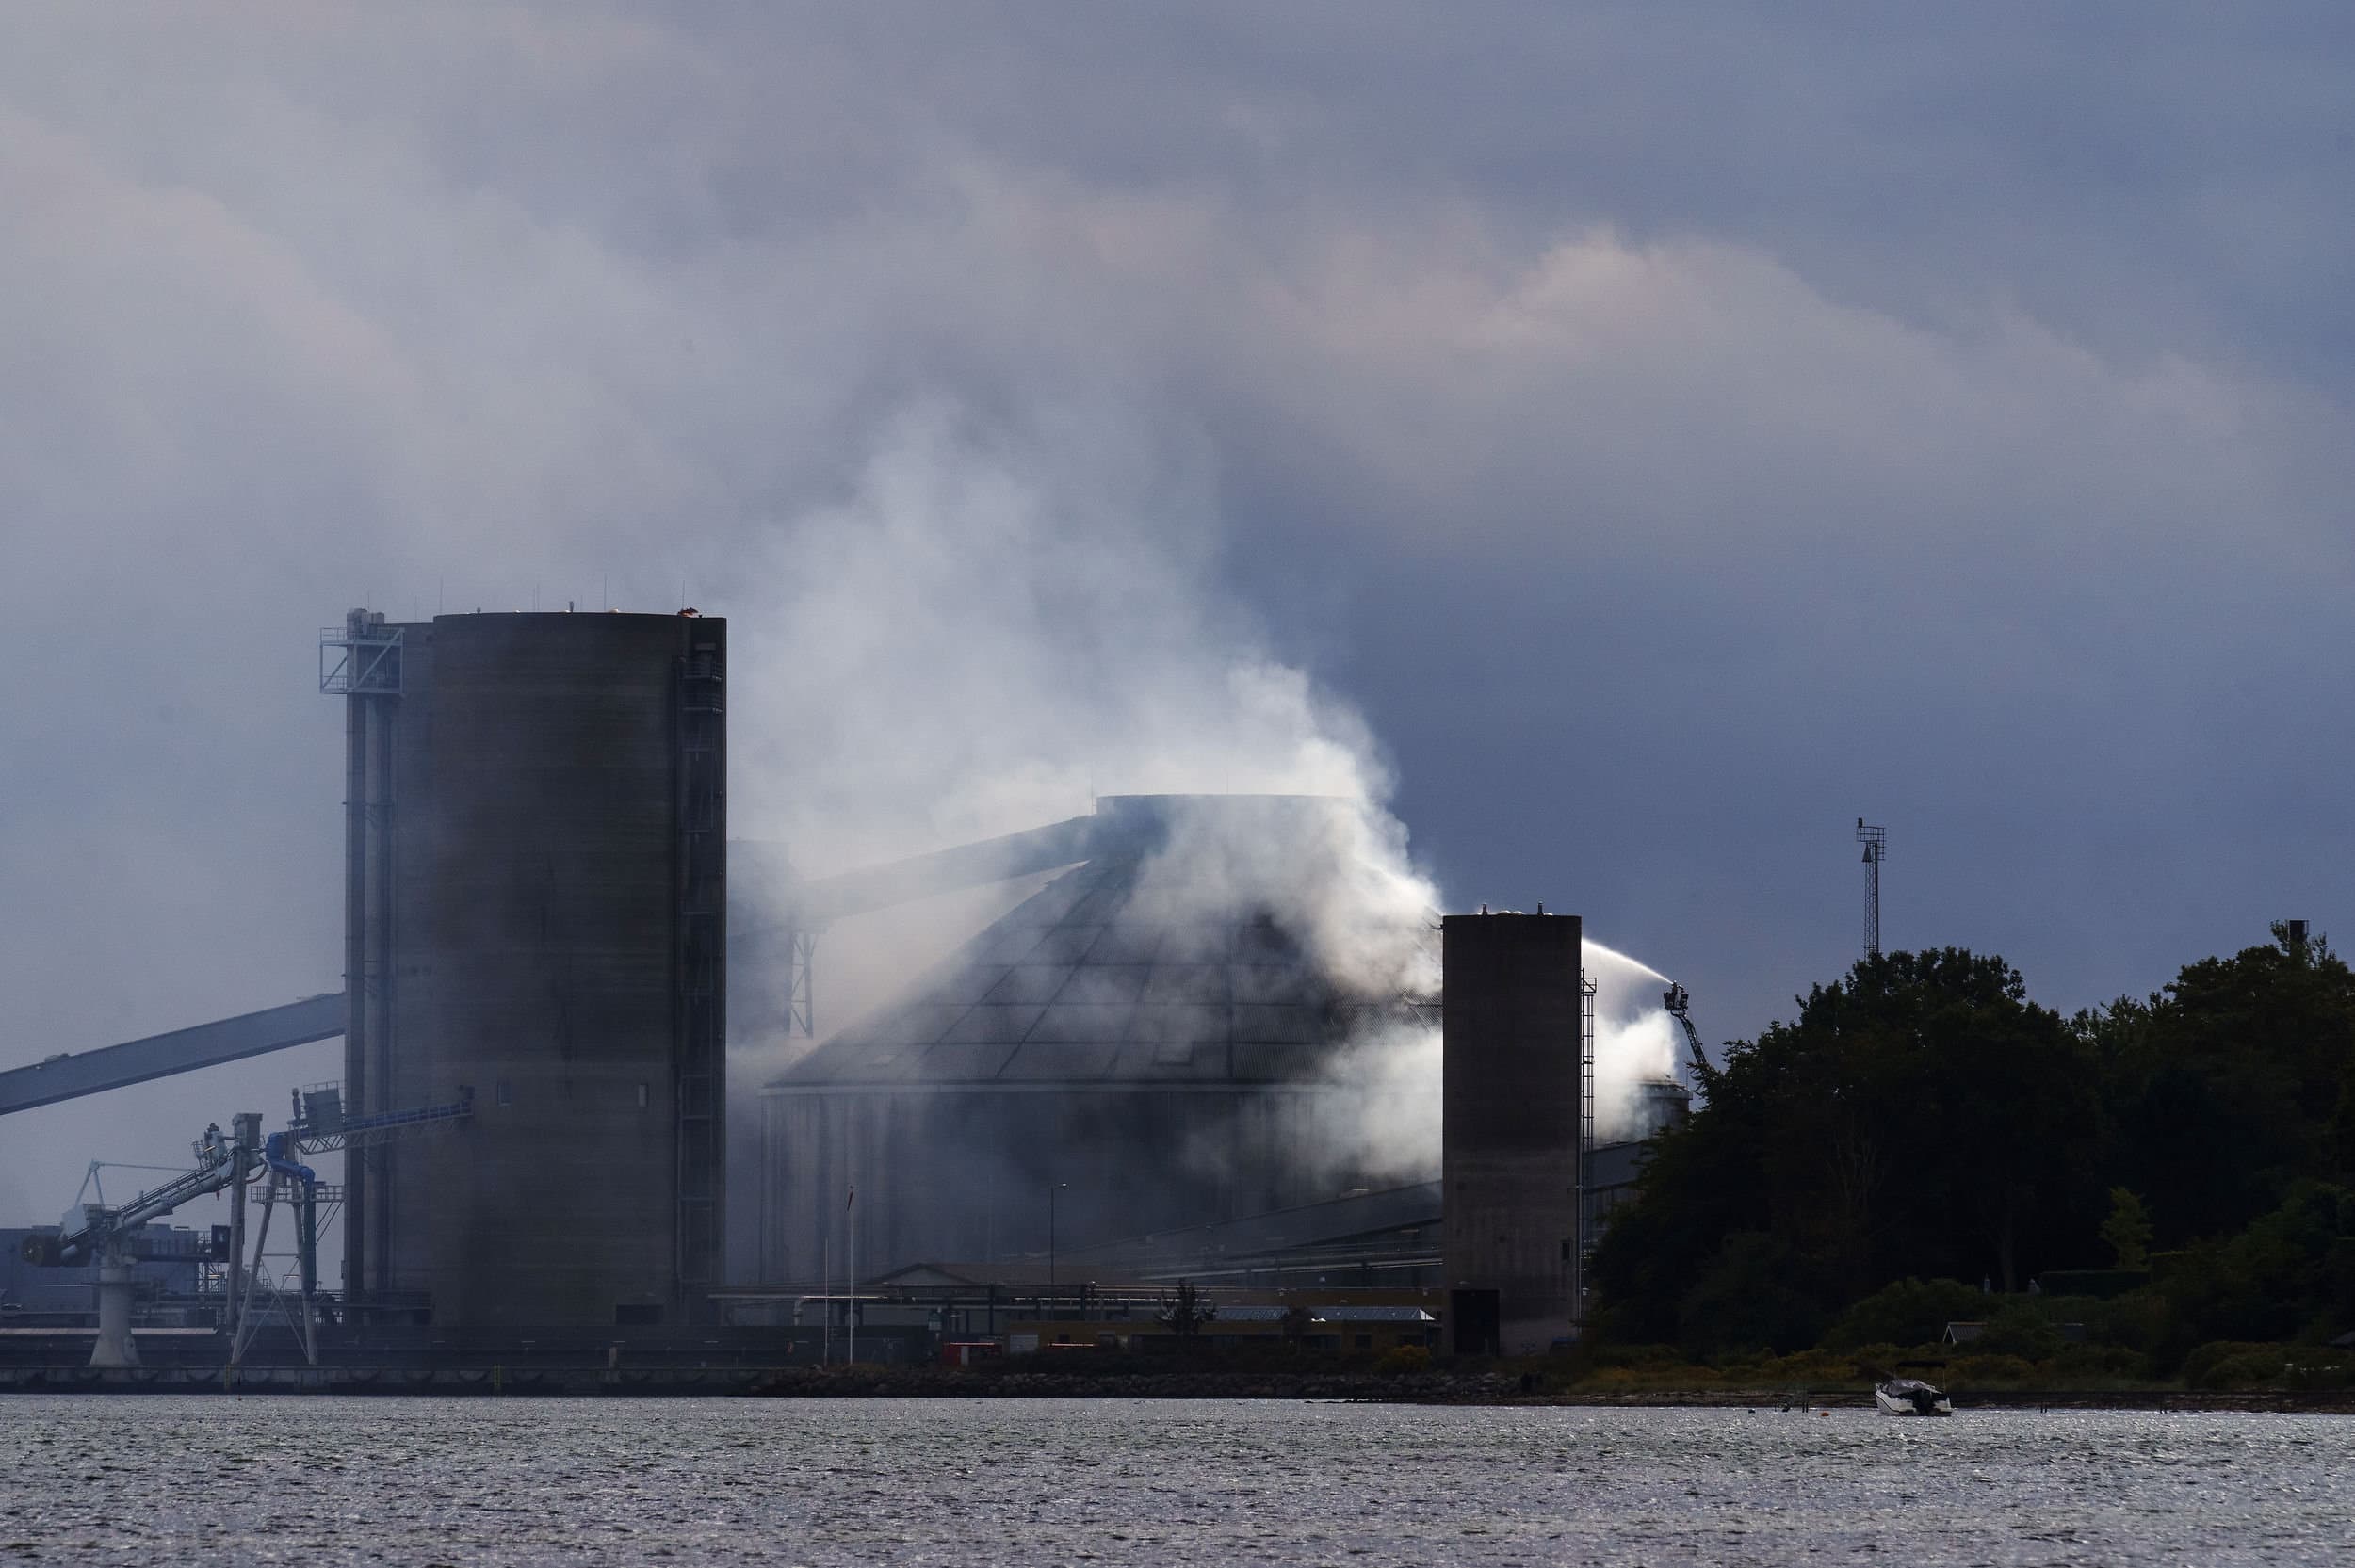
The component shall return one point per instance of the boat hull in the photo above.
(1927, 1401)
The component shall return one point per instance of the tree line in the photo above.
(1923, 1136)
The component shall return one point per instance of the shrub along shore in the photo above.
(1802, 1383)
(2215, 1377)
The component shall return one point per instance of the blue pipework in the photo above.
(275, 1155)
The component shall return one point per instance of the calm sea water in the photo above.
(417, 1481)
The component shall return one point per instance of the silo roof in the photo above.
(1103, 977)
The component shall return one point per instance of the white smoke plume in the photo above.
(1331, 871)
(1393, 1081)
(1635, 1040)
(1396, 1074)
(1004, 621)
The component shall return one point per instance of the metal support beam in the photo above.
(800, 1001)
(245, 1148)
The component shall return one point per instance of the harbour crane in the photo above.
(222, 1164)
(229, 1164)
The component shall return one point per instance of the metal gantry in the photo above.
(361, 661)
(320, 1126)
(300, 1313)
(1875, 842)
(361, 657)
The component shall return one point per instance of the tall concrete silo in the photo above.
(536, 895)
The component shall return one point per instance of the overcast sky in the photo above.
(1652, 435)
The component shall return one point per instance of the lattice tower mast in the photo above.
(1875, 842)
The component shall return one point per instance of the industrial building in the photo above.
(1137, 1074)
(171, 1268)
(1147, 1043)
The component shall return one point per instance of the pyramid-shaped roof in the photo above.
(1114, 973)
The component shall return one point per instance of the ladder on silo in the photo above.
(698, 1088)
(1585, 1249)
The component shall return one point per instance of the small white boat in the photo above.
(1912, 1397)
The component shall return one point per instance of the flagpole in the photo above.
(825, 1298)
(850, 1284)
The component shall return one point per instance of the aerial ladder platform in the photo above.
(1679, 1002)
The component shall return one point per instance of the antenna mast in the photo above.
(1875, 842)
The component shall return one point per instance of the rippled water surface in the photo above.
(401, 1481)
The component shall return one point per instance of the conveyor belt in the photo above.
(252, 1034)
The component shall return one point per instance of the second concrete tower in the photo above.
(1512, 1021)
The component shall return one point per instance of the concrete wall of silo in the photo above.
(1510, 1018)
(557, 919)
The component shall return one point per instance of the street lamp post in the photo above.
(1052, 1189)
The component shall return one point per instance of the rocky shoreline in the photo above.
(1018, 1381)
(1442, 1387)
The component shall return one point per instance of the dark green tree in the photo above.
(2127, 1231)
(1919, 1118)
(1746, 1301)
(1185, 1314)
(1906, 1312)
(2230, 1086)
(1296, 1322)
(2289, 1274)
